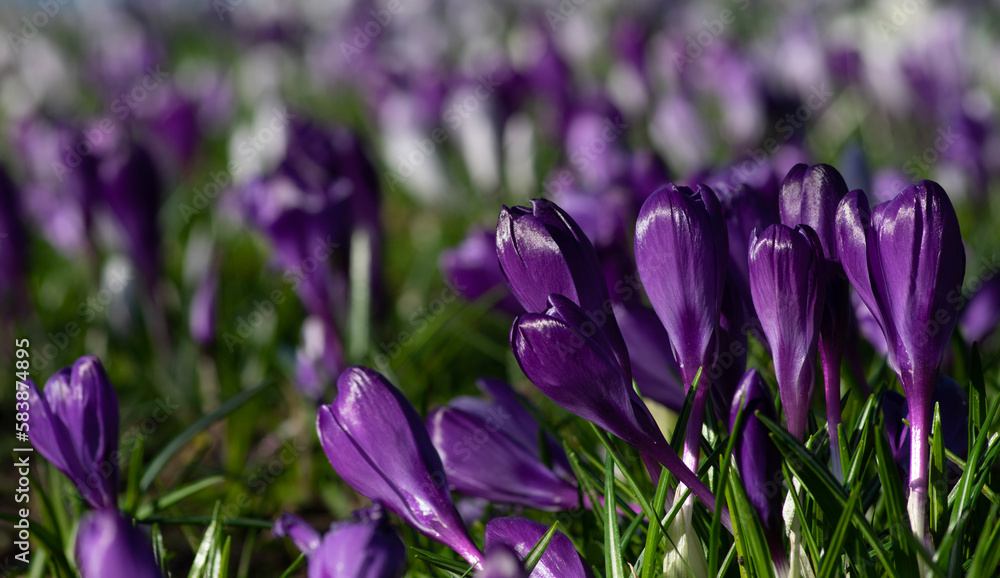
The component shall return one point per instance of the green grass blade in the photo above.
(938, 484)
(163, 458)
(987, 553)
(653, 532)
(614, 566)
(538, 550)
(295, 566)
(832, 555)
(177, 495)
(895, 505)
(209, 543)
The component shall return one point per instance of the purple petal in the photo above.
(560, 559)
(369, 549)
(982, 313)
(304, 536)
(201, 316)
(681, 250)
(787, 285)
(109, 545)
(757, 458)
(502, 562)
(377, 443)
(653, 366)
(472, 269)
(810, 196)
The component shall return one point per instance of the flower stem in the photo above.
(831, 385)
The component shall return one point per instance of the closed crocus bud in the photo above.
(653, 365)
(810, 196)
(576, 368)
(681, 251)
(471, 268)
(543, 251)
(758, 459)
(367, 548)
(502, 562)
(787, 282)
(377, 443)
(681, 248)
(74, 425)
(201, 315)
(109, 545)
(304, 536)
(520, 535)
(132, 186)
(904, 259)
(506, 466)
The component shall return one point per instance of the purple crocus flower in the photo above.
(491, 450)
(364, 548)
(132, 188)
(904, 258)
(543, 251)
(74, 425)
(758, 459)
(502, 562)
(787, 282)
(577, 369)
(377, 443)
(681, 250)
(109, 545)
(472, 269)
(318, 359)
(810, 196)
(560, 559)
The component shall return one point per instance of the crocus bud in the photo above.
(787, 284)
(377, 443)
(487, 453)
(681, 248)
(809, 196)
(520, 535)
(109, 545)
(543, 251)
(758, 459)
(366, 548)
(572, 363)
(904, 259)
(472, 269)
(304, 536)
(681, 251)
(74, 425)
(502, 562)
